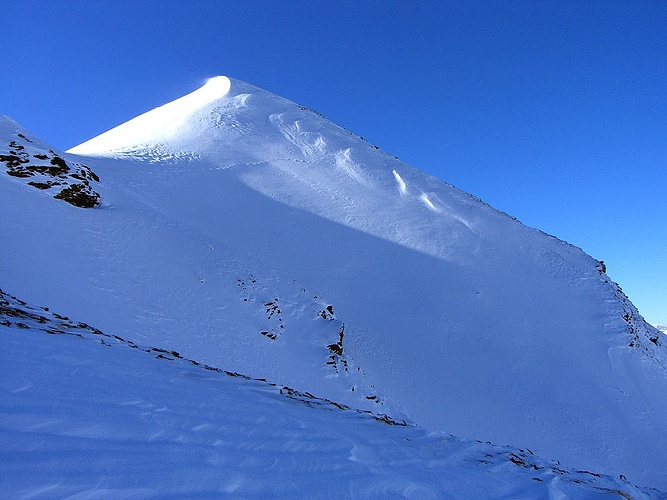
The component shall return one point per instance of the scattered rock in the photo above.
(58, 172)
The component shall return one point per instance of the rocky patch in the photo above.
(47, 171)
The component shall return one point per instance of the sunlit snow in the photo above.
(400, 183)
(158, 124)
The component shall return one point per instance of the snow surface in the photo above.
(85, 414)
(248, 232)
(161, 122)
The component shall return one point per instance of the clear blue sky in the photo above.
(555, 112)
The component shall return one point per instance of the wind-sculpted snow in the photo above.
(446, 313)
(86, 413)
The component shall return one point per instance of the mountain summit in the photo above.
(158, 125)
(240, 229)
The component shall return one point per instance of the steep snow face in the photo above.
(228, 235)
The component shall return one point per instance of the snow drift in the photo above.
(246, 231)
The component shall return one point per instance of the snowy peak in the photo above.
(295, 156)
(213, 118)
(157, 125)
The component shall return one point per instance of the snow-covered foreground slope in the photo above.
(85, 414)
(245, 231)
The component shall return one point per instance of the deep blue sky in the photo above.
(555, 112)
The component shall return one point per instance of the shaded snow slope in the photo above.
(227, 236)
(89, 415)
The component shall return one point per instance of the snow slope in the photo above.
(246, 231)
(86, 414)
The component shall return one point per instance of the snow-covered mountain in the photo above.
(246, 232)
